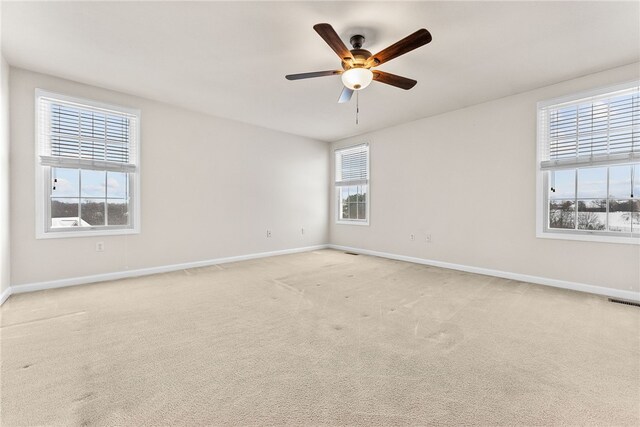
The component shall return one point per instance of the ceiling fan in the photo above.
(357, 63)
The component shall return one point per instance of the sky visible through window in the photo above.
(592, 183)
(93, 184)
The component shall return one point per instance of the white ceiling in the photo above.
(229, 59)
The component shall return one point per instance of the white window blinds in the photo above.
(76, 135)
(601, 129)
(352, 165)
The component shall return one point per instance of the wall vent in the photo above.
(622, 301)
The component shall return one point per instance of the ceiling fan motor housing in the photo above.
(359, 55)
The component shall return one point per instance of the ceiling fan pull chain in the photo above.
(357, 105)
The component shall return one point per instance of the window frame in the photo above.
(542, 178)
(337, 187)
(43, 178)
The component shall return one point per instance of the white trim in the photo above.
(362, 222)
(338, 184)
(73, 281)
(87, 232)
(352, 221)
(542, 231)
(587, 236)
(575, 286)
(42, 230)
(5, 295)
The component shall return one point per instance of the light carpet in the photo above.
(318, 338)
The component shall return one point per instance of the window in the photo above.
(87, 167)
(589, 166)
(352, 184)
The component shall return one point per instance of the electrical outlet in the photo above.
(268, 233)
(100, 247)
(428, 239)
(412, 237)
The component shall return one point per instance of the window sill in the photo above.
(87, 233)
(353, 222)
(589, 237)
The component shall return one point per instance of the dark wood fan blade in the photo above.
(345, 95)
(407, 44)
(311, 75)
(393, 80)
(332, 38)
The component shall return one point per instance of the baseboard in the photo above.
(31, 287)
(4, 295)
(582, 287)
(39, 286)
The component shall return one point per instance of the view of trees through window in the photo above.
(599, 198)
(88, 198)
(353, 200)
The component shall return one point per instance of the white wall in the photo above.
(468, 178)
(210, 188)
(4, 177)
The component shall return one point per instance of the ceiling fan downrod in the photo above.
(357, 41)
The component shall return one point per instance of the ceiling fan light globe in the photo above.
(357, 78)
